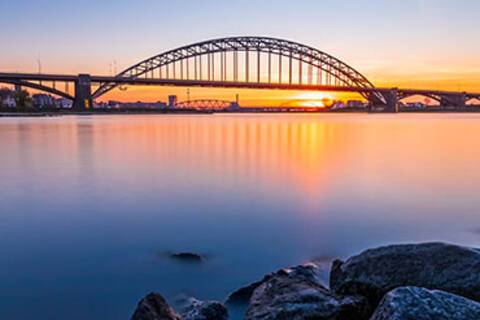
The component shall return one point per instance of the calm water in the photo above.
(90, 205)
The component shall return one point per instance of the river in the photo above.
(91, 206)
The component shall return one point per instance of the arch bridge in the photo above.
(234, 62)
(256, 60)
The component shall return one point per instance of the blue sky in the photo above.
(378, 37)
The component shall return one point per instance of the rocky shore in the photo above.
(431, 281)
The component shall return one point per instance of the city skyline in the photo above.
(415, 47)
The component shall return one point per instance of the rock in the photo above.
(440, 266)
(205, 310)
(154, 307)
(243, 295)
(293, 295)
(408, 303)
(187, 257)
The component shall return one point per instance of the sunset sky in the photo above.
(409, 43)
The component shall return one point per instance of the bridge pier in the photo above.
(389, 106)
(455, 101)
(83, 94)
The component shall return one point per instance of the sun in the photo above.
(313, 96)
(310, 103)
(313, 99)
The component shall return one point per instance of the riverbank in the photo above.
(400, 282)
(203, 112)
(98, 112)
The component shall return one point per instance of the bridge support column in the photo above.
(83, 94)
(454, 101)
(389, 106)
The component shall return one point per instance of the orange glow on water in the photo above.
(306, 154)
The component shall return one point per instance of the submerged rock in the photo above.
(205, 310)
(187, 257)
(440, 266)
(296, 296)
(154, 307)
(243, 295)
(408, 303)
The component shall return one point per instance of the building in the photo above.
(415, 105)
(9, 102)
(172, 102)
(7, 98)
(234, 106)
(113, 104)
(41, 100)
(338, 105)
(355, 104)
(64, 103)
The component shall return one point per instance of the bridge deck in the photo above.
(97, 79)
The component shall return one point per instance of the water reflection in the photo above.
(89, 202)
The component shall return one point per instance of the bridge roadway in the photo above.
(83, 83)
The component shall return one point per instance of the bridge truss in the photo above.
(205, 104)
(41, 86)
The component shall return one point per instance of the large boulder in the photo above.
(154, 307)
(205, 310)
(290, 295)
(407, 303)
(440, 266)
(243, 295)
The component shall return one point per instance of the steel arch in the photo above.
(40, 87)
(209, 104)
(335, 68)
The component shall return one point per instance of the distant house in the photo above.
(159, 105)
(113, 104)
(64, 103)
(9, 102)
(41, 100)
(355, 104)
(338, 105)
(415, 105)
(101, 105)
(7, 98)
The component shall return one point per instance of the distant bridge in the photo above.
(236, 62)
(207, 104)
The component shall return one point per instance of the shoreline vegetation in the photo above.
(399, 282)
